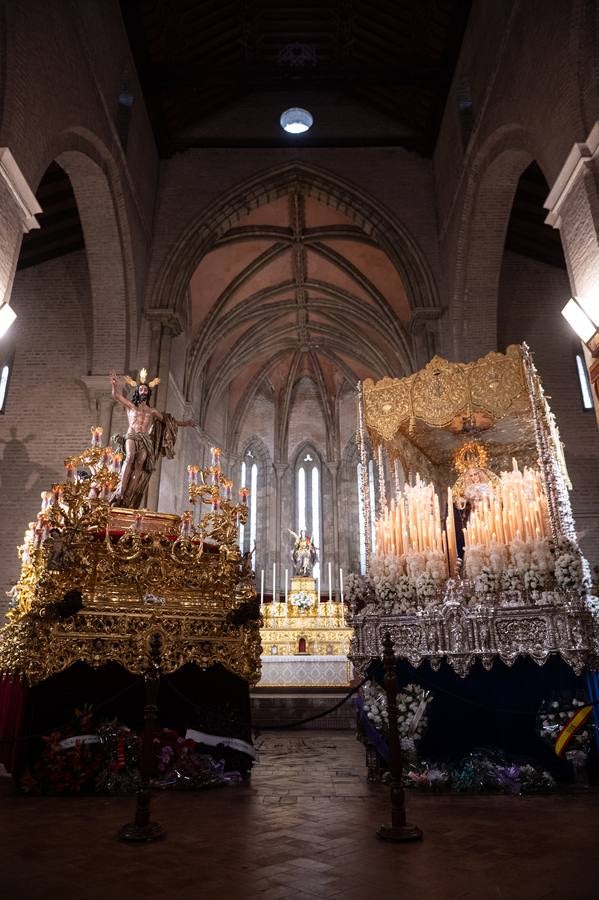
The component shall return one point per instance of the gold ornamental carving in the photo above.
(129, 573)
(444, 394)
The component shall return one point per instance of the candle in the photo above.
(330, 587)
(215, 453)
(318, 593)
(341, 592)
(97, 433)
(274, 580)
(243, 496)
(193, 474)
(286, 585)
(70, 473)
(117, 461)
(262, 587)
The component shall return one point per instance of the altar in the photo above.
(305, 641)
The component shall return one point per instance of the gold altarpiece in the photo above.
(305, 645)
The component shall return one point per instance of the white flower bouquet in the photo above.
(406, 594)
(302, 600)
(534, 580)
(511, 580)
(426, 588)
(486, 582)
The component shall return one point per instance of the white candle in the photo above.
(330, 586)
(274, 580)
(286, 584)
(318, 594)
(341, 582)
(262, 587)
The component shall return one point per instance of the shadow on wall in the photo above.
(21, 483)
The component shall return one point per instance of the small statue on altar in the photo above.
(151, 434)
(304, 554)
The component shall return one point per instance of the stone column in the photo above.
(333, 468)
(573, 205)
(279, 470)
(165, 325)
(18, 209)
(101, 404)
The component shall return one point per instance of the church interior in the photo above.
(299, 457)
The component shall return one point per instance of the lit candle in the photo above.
(274, 580)
(243, 496)
(117, 461)
(193, 474)
(69, 472)
(286, 585)
(330, 587)
(97, 433)
(215, 457)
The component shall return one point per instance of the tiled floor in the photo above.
(304, 828)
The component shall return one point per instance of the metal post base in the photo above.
(399, 833)
(138, 834)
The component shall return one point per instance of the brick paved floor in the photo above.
(304, 828)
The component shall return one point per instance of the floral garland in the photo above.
(302, 600)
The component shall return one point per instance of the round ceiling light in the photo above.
(296, 120)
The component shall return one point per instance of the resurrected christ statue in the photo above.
(151, 434)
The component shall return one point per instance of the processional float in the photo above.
(471, 542)
(100, 584)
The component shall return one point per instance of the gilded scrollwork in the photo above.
(136, 573)
(444, 392)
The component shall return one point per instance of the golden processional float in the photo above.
(470, 537)
(102, 585)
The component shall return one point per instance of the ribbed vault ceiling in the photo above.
(295, 289)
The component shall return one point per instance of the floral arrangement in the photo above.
(406, 594)
(427, 588)
(180, 764)
(553, 715)
(568, 566)
(481, 771)
(412, 701)
(534, 580)
(302, 600)
(511, 579)
(487, 582)
(83, 758)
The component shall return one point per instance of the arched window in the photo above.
(308, 513)
(249, 479)
(4, 373)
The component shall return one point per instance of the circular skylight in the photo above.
(296, 120)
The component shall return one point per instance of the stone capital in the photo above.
(169, 320)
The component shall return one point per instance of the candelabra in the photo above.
(209, 486)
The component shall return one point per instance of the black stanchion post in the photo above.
(142, 829)
(399, 829)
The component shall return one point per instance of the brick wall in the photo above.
(531, 296)
(47, 411)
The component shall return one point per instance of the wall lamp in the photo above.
(7, 317)
(582, 314)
